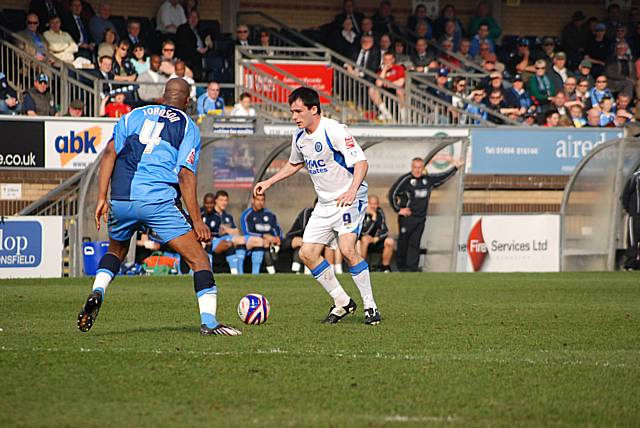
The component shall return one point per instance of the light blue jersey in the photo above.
(153, 143)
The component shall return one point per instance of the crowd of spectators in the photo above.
(591, 68)
(136, 61)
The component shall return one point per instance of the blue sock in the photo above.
(232, 260)
(241, 253)
(256, 261)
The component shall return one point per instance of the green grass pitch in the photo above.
(453, 350)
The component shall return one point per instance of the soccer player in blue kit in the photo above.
(150, 163)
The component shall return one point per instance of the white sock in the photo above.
(307, 271)
(271, 270)
(295, 267)
(234, 271)
(327, 278)
(360, 275)
(102, 280)
(338, 268)
(208, 304)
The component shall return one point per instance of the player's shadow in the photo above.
(177, 329)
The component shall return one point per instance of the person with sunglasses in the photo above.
(32, 41)
(123, 68)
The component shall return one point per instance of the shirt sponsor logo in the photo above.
(316, 166)
(348, 141)
(192, 157)
(20, 244)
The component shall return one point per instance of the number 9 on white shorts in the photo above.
(326, 220)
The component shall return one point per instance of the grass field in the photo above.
(453, 350)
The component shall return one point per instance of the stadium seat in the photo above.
(15, 19)
(120, 24)
(209, 26)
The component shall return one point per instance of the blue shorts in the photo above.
(166, 219)
(216, 241)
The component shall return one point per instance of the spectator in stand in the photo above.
(599, 91)
(122, 68)
(635, 40)
(476, 106)
(59, 42)
(569, 89)
(547, 52)
(108, 45)
(446, 57)
(607, 116)
(8, 98)
(366, 58)
(551, 119)
(540, 86)
(100, 22)
(150, 93)
(450, 34)
(593, 118)
(346, 38)
(622, 118)
(383, 20)
(190, 44)
(633, 19)
(520, 97)
(630, 199)
(574, 39)
(598, 49)
(623, 102)
(621, 72)
(115, 108)
(621, 37)
(169, 17)
(441, 90)
(169, 59)
(374, 236)
(420, 13)
(401, 57)
(577, 116)
(262, 234)
(243, 106)
(558, 102)
(614, 20)
(484, 51)
(584, 73)
(483, 16)
(559, 73)
(265, 43)
(38, 101)
(496, 83)
(180, 70)
(45, 10)
(463, 49)
(459, 88)
(422, 56)
(481, 37)
(390, 79)
(211, 103)
(521, 61)
(104, 72)
(134, 34)
(448, 13)
(76, 108)
(74, 24)
(242, 35)
(422, 31)
(495, 104)
(188, 6)
(385, 46)
(367, 29)
(34, 44)
(140, 59)
(349, 12)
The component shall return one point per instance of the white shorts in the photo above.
(328, 220)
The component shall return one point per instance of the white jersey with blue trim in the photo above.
(329, 154)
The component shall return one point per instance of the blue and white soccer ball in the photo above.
(254, 309)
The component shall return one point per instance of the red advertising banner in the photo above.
(316, 76)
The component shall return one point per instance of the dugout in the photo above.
(592, 219)
(235, 163)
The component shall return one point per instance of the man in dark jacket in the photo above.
(621, 71)
(374, 236)
(38, 101)
(409, 197)
(631, 202)
(348, 11)
(190, 45)
(367, 57)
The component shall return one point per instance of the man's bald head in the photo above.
(176, 93)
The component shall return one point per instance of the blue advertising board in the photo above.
(534, 151)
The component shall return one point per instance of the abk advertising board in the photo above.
(75, 144)
(509, 243)
(31, 247)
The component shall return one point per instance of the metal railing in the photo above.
(66, 83)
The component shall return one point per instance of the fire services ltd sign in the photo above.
(509, 243)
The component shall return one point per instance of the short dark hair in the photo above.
(244, 95)
(103, 57)
(208, 195)
(417, 159)
(308, 96)
(220, 193)
(550, 113)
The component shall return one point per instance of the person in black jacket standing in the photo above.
(631, 203)
(409, 197)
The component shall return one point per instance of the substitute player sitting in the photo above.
(374, 236)
(337, 167)
(150, 162)
(226, 238)
(262, 234)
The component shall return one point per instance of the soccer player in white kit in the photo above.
(337, 167)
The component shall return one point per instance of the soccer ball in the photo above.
(254, 309)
